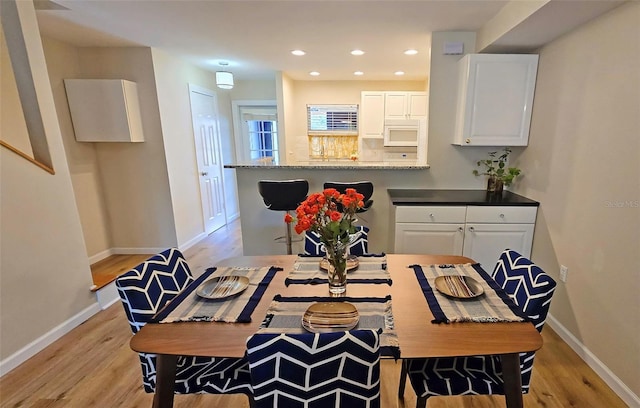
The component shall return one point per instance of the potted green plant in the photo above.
(496, 168)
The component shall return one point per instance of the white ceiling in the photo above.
(256, 37)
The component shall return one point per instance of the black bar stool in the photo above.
(363, 187)
(283, 195)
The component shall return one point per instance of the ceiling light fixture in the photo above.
(399, 73)
(299, 53)
(411, 52)
(358, 73)
(314, 73)
(357, 52)
(224, 79)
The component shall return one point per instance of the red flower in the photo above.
(319, 213)
(288, 218)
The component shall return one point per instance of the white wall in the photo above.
(583, 165)
(173, 77)
(451, 166)
(63, 62)
(43, 264)
(134, 175)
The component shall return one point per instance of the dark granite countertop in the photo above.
(456, 197)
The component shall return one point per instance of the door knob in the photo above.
(204, 173)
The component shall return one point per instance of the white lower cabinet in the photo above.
(411, 238)
(478, 232)
(484, 242)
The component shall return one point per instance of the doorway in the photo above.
(256, 128)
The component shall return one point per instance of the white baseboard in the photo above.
(192, 241)
(46, 339)
(134, 251)
(100, 256)
(596, 365)
(107, 295)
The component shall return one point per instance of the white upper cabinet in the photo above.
(104, 110)
(405, 105)
(495, 98)
(371, 115)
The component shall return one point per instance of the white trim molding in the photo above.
(46, 339)
(596, 365)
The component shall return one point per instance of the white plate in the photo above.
(323, 317)
(222, 287)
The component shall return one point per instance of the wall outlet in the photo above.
(563, 273)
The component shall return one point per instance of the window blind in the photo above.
(332, 119)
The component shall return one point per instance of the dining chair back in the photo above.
(144, 290)
(531, 289)
(358, 243)
(363, 187)
(315, 370)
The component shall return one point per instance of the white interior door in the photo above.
(204, 113)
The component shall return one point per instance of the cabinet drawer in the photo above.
(502, 215)
(430, 214)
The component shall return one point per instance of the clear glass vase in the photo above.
(337, 271)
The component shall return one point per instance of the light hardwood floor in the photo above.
(93, 366)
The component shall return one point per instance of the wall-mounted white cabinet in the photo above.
(405, 105)
(371, 115)
(495, 98)
(478, 232)
(378, 108)
(104, 110)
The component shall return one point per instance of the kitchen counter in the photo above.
(333, 164)
(409, 197)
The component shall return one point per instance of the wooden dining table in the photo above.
(417, 335)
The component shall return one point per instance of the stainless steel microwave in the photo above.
(403, 132)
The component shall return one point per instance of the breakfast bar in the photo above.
(260, 226)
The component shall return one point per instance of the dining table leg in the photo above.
(512, 380)
(165, 380)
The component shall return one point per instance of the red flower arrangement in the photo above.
(330, 214)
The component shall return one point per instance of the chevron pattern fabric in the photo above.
(339, 369)
(531, 289)
(146, 289)
(359, 244)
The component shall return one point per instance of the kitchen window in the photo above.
(332, 119)
(332, 131)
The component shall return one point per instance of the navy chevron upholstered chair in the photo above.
(359, 244)
(531, 289)
(143, 291)
(316, 370)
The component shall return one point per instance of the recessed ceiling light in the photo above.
(298, 52)
(314, 73)
(358, 73)
(399, 73)
(357, 52)
(411, 52)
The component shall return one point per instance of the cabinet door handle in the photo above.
(460, 229)
(431, 215)
(502, 216)
(471, 229)
(204, 173)
(467, 141)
